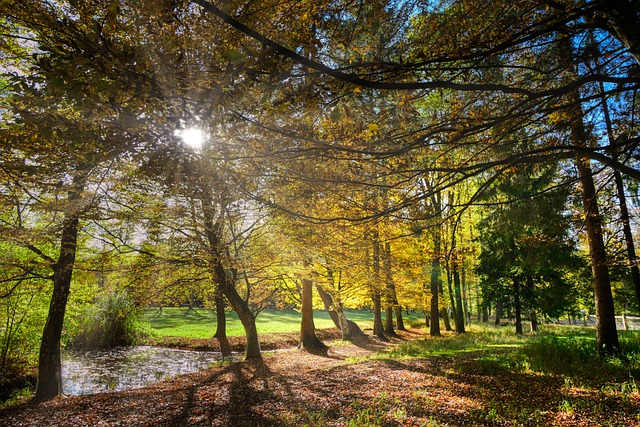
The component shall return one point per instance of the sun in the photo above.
(192, 137)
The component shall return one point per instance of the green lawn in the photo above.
(201, 323)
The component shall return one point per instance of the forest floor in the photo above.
(351, 384)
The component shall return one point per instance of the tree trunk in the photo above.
(221, 318)
(327, 301)
(622, 201)
(308, 339)
(607, 334)
(221, 323)
(451, 312)
(246, 316)
(227, 284)
(465, 301)
(518, 305)
(452, 294)
(628, 236)
(388, 321)
(459, 314)
(434, 329)
(348, 328)
(444, 315)
(479, 305)
(375, 291)
(443, 311)
(378, 330)
(485, 313)
(399, 322)
(390, 290)
(534, 321)
(498, 312)
(49, 383)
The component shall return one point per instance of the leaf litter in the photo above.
(342, 387)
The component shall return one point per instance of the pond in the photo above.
(128, 367)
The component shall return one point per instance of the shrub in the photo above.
(112, 321)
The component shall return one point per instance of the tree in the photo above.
(525, 248)
(308, 338)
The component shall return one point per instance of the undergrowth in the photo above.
(112, 321)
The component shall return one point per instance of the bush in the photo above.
(112, 321)
(22, 317)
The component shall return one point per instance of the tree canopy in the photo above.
(393, 153)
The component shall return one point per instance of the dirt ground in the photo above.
(291, 387)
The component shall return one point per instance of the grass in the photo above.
(570, 352)
(478, 338)
(559, 371)
(201, 323)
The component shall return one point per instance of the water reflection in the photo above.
(128, 367)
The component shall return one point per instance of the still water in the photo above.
(128, 367)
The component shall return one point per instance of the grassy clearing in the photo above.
(554, 378)
(201, 323)
(568, 352)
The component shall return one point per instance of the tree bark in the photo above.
(327, 301)
(227, 284)
(459, 314)
(628, 236)
(518, 305)
(391, 298)
(49, 383)
(479, 305)
(308, 339)
(622, 201)
(399, 321)
(498, 312)
(221, 318)
(221, 323)
(443, 311)
(452, 297)
(534, 321)
(434, 329)
(465, 301)
(348, 328)
(378, 329)
(607, 334)
(375, 289)
(246, 316)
